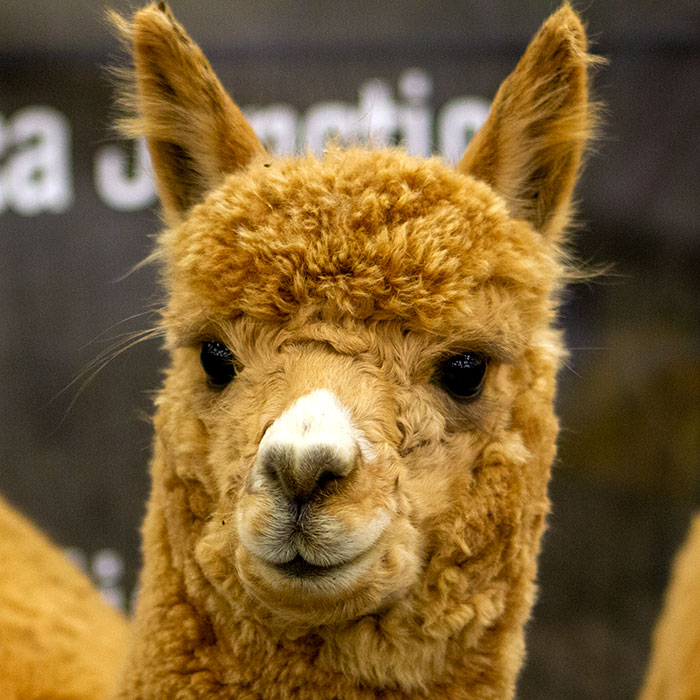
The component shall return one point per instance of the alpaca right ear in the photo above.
(195, 133)
(531, 146)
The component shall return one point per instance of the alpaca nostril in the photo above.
(326, 478)
(274, 460)
(317, 466)
(325, 461)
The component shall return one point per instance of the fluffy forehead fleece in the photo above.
(371, 235)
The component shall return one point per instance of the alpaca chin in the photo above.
(305, 597)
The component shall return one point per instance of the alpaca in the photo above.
(674, 669)
(354, 437)
(58, 638)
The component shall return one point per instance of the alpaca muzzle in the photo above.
(310, 448)
(299, 517)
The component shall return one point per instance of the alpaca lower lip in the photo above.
(300, 568)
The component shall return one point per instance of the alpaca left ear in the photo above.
(531, 146)
(195, 133)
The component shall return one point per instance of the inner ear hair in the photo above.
(196, 135)
(531, 147)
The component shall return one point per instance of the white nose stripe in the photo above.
(317, 419)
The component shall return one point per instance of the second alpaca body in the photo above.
(58, 638)
(674, 667)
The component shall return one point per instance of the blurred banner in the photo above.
(78, 213)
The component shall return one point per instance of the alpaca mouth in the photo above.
(300, 568)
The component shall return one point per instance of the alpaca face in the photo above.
(368, 318)
(356, 430)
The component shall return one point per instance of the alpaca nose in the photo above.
(312, 444)
(301, 473)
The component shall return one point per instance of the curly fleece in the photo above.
(357, 273)
(58, 638)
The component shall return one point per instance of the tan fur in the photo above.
(183, 111)
(58, 639)
(544, 102)
(355, 274)
(674, 669)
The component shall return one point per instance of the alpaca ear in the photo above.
(530, 148)
(195, 133)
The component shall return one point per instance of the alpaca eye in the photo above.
(217, 361)
(462, 376)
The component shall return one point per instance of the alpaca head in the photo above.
(355, 434)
